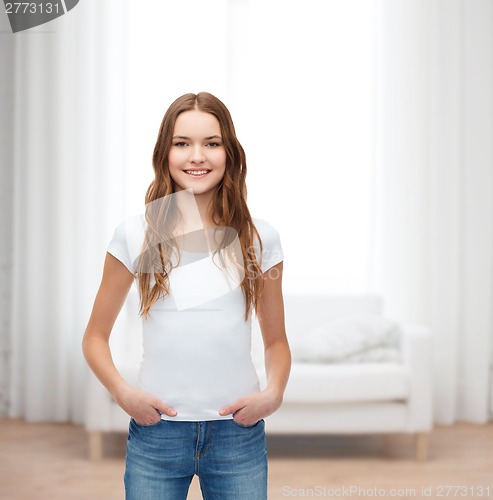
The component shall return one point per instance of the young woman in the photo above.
(201, 264)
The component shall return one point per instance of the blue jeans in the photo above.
(229, 459)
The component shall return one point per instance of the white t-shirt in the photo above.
(197, 346)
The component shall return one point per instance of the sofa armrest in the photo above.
(417, 358)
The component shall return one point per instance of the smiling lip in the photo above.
(197, 176)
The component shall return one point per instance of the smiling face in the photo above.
(197, 158)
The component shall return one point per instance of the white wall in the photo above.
(298, 80)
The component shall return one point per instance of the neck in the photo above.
(204, 203)
(195, 208)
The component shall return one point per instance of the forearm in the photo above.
(97, 353)
(277, 367)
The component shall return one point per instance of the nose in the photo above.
(197, 155)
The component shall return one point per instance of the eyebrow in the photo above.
(189, 139)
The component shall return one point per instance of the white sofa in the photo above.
(321, 398)
(355, 398)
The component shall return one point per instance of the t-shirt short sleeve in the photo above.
(119, 246)
(272, 252)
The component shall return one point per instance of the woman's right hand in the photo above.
(143, 407)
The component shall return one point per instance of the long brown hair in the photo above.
(229, 207)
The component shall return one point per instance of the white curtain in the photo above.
(433, 253)
(6, 163)
(68, 174)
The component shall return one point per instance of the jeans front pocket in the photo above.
(247, 426)
(154, 424)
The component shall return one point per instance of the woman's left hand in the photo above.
(249, 409)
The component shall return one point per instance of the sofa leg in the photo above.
(421, 446)
(95, 445)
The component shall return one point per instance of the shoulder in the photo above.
(268, 233)
(265, 228)
(272, 252)
(127, 239)
(130, 228)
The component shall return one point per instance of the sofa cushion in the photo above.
(351, 338)
(307, 311)
(334, 383)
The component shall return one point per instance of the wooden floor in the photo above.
(49, 461)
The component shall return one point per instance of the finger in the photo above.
(167, 410)
(231, 408)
